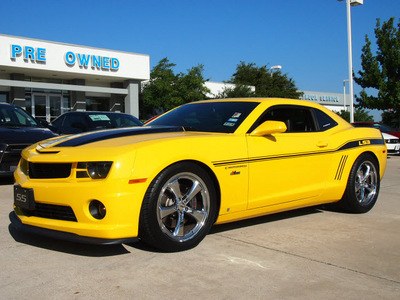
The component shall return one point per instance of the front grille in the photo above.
(50, 211)
(47, 171)
(392, 141)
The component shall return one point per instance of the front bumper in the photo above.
(393, 148)
(16, 222)
(122, 201)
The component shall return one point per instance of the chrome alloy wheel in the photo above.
(183, 206)
(366, 184)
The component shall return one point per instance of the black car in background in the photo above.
(82, 121)
(18, 130)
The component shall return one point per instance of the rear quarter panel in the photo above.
(347, 145)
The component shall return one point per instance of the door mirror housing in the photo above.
(269, 127)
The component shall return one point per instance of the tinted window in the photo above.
(296, 118)
(383, 128)
(124, 120)
(207, 116)
(100, 120)
(325, 122)
(15, 116)
(59, 121)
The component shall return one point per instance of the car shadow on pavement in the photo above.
(266, 219)
(66, 246)
(113, 250)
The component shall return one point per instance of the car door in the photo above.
(290, 166)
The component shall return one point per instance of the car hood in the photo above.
(388, 136)
(24, 135)
(108, 137)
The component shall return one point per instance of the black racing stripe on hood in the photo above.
(112, 134)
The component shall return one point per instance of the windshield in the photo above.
(222, 117)
(114, 120)
(383, 128)
(15, 116)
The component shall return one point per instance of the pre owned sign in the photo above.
(84, 60)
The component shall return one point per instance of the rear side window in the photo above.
(324, 121)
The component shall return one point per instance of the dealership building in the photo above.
(50, 78)
(334, 101)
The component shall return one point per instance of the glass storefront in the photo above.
(98, 103)
(46, 106)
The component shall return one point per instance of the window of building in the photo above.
(97, 104)
(3, 97)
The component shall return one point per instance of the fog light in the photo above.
(97, 209)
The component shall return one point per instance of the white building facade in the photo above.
(49, 78)
(334, 101)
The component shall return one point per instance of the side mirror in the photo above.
(269, 127)
(44, 123)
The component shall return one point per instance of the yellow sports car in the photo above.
(203, 163)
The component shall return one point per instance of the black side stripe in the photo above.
(346, 146)
(341, 166)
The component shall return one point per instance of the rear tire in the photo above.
(362, 186)
(179, 208)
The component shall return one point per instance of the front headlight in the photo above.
(95, 169)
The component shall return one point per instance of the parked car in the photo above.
(18, 130)
(392, 142)
(83, 121)
(381, 127)
(202, 163)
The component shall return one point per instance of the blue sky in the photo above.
(307, 37)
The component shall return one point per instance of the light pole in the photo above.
(277, 67)
(350, 51)
(344, 93)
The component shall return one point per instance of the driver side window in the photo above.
(296, 118)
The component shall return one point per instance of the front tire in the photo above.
(363, 185)
(179, 208)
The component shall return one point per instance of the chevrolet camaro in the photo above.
(203, 163)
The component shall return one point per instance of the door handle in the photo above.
(322, 144)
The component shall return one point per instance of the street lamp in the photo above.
(350, 51)
(277, 67)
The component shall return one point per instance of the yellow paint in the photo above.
(256, 174)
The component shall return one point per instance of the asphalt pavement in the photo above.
(312, 253)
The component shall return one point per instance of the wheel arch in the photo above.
(209, 171)
(374, 156)
(349, 201)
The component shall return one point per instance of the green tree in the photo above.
(389, 118)
(381, 72)
(239, 91)
(166, 90)
(360, 115)
(267, 84)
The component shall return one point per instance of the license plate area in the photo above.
(24, 198)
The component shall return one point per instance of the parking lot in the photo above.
(312, 253)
